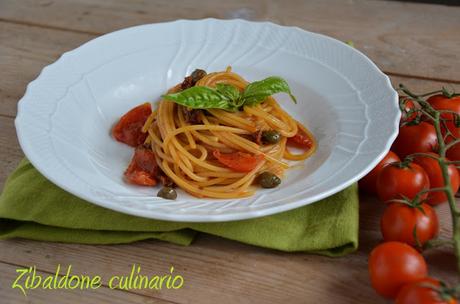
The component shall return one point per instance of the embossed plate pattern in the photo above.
(65, 117)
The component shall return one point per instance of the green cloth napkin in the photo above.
(32, 207)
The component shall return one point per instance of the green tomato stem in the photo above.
(444, 165)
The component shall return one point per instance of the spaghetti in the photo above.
(218, 153)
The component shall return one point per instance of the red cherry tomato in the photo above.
(407, 109)
(369, 182)
(143, 168)
(415, 138)
(394, 264)
(300, 140)
(399, 220)
(422, 292)
(238, 161)
(433, 170)
(441, 102)
(128, 130)
(453, 153)
(399, 180)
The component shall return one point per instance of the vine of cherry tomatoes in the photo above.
(406, 180)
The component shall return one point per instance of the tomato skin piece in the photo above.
(369, 182)
(398, 222)
(433, 170)
(394, 264)
(140, 178)
(419, 292)
(128, 129)
(143, 168)
(396, 182)
(301, 140)
(238, 161)
(415, 138)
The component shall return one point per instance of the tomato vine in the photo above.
(439, 121)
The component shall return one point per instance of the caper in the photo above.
(167, 193)
(197, 75)
(271, 137)
(269, 180)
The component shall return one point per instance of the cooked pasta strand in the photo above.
(185, 150)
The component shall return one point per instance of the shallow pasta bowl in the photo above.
(65, 117)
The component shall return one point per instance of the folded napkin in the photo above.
(32, 207)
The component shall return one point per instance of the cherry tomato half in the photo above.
(394, 264)
(143, 168)
(128, 130)
(415, 138)
(399, 180)
(399, 220)
(300, 140)
(421, 292)
(369, 182)
(434, 172)
(238, 161)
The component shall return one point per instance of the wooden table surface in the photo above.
(417, 44)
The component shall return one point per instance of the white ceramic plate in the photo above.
(65, 117)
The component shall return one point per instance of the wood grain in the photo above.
(403, 38)
(231, 271)
(100, 295)
(213, 268)
(25, 50)
(10, 151)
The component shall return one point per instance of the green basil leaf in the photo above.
(257, 91)
(202, 98)
(228, 90)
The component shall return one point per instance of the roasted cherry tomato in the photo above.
(433, 170)
(399, 220)
(423, 292)
(394, 264)
(415, 138)
(369, 182)
(300, 140)
(143, 168)
(128, 130)
(238, 161)
(399, 180)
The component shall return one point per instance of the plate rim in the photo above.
(216, 217)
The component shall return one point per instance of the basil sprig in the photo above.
(228, 97)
